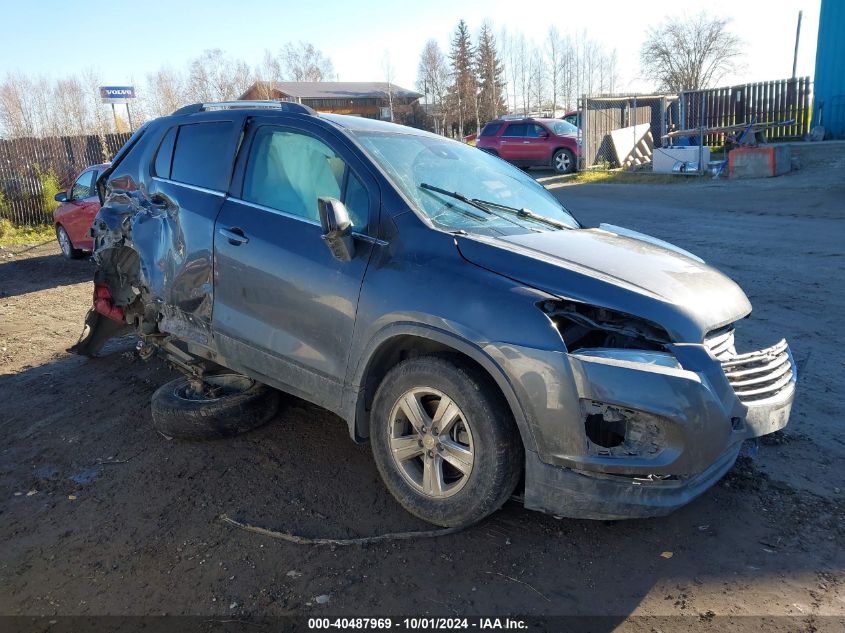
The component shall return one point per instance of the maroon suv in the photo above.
(532, 142)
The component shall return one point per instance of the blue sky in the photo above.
(124, 41)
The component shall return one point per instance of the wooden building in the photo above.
(361, 98)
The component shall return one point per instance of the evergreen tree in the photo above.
(463, 91)
(490, 75)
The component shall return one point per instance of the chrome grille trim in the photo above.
(721, 342)
(754, 376)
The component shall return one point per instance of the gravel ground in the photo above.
(100, 515)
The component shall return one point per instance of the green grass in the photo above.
(615, 176)
(11, 235)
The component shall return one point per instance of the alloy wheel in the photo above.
(431, 442)
(562, 162)
(64, 242)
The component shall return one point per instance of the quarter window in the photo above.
(289, 171)
(164, 155)
(202, 156)
(490, 129)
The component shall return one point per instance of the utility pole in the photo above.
(797, 37)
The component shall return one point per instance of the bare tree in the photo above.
(167, 92)
(215, 77)
(388, 77)
(17, 115)
(304, 62)
(433, 79)
(553, 56)
(690, 54)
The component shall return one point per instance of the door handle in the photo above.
(525, 142)
(235, 236)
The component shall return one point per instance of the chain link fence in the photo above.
(622, 131)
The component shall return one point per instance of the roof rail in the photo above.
(285, 106)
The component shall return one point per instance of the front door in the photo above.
(284, 307)
(83, 207)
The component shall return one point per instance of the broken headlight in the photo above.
(581, 326)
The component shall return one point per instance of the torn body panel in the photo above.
(650, 438)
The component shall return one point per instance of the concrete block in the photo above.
(665, 158)
(759, 162)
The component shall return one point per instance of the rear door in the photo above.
(284, 307)
(513, 139)
(191, 169)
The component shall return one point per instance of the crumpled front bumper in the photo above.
(686, 427)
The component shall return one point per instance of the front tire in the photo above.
(444, 441)
(68, 251)
(563, 161)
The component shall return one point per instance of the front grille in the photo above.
(721, 343)
(757, 375)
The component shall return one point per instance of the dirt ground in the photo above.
(101, 515)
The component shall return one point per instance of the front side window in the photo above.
(83, 187)
(565, 128)
(536, 131)
(416, 163)
(203, 155)
(289, 171)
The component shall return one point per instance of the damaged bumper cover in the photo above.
(651, 436)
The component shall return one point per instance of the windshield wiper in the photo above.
(525, 213)
(457, 196)
(485, 205)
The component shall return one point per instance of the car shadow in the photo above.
(21, 275)
(112, 495)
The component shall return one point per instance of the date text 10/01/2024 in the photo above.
(436, 624)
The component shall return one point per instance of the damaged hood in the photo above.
(624, 270)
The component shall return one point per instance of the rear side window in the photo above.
(516, 129)
(202, 156)
(164, 155)
(490, 129)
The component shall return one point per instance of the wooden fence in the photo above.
(25, 161)
(764, 102)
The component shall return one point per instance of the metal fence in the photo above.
(622, 131)
(26, 163)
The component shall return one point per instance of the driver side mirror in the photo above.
(337, 228)
(60, 197)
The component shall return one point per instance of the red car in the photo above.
(532, 142)
(75, 214)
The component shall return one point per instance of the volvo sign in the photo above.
(117, 94)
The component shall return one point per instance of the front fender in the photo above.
(388, 335)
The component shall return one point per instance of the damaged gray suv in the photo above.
(438, 300)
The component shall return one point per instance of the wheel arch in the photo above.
(398, 342)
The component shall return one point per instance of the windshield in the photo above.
(420, 165)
